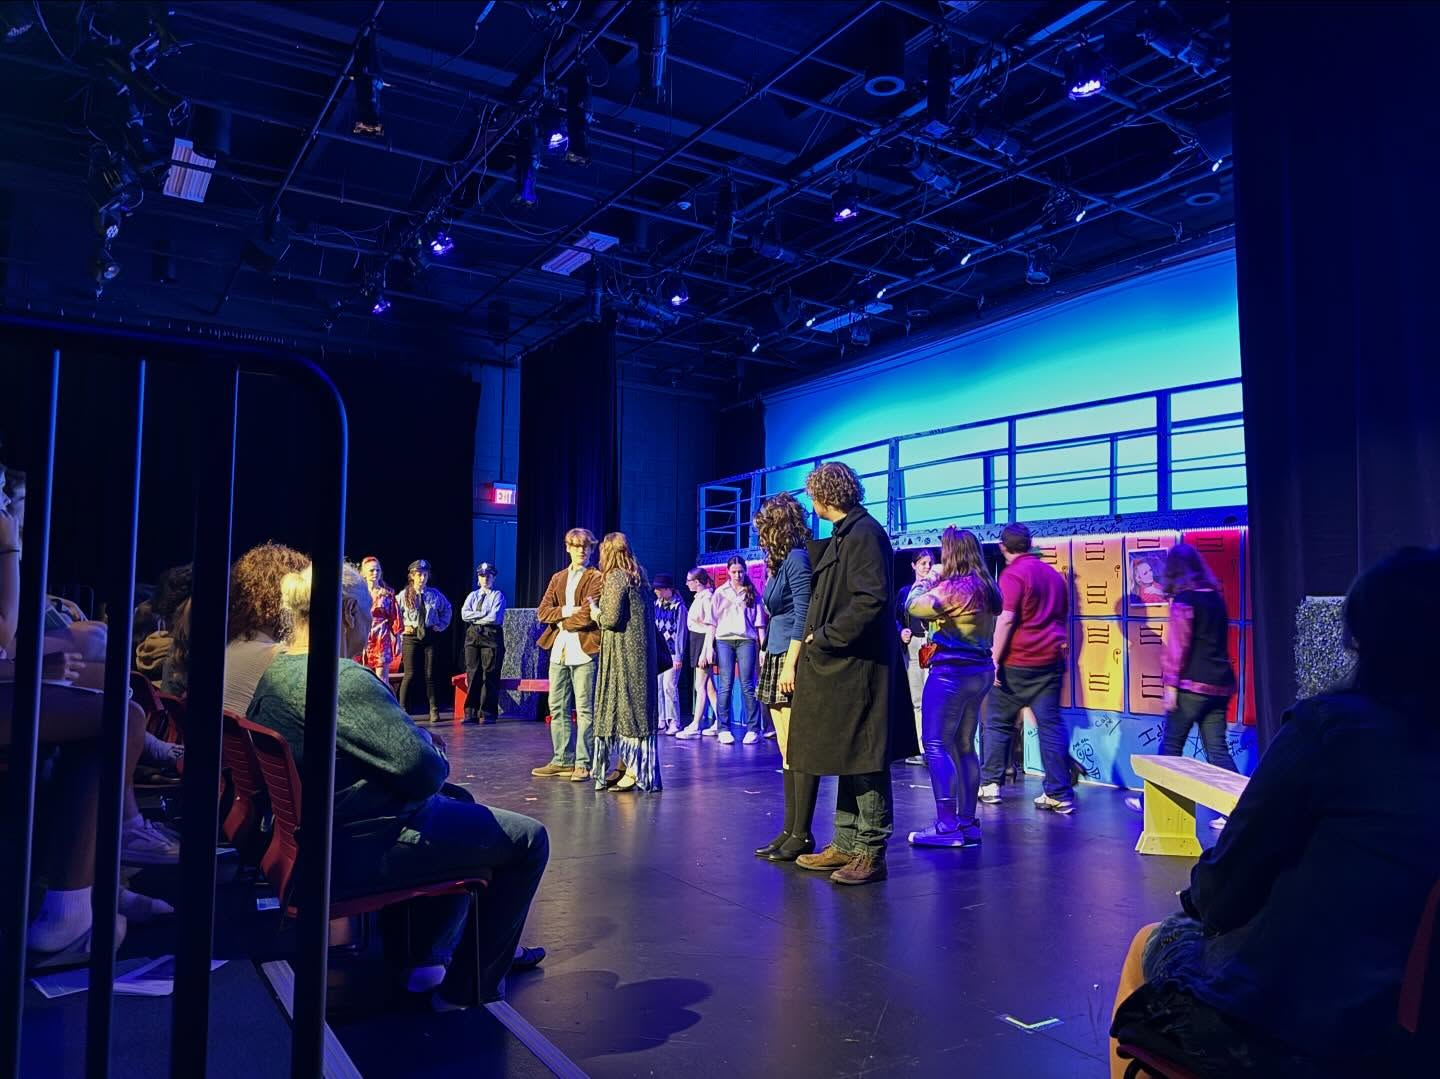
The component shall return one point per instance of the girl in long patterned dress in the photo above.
(382, 644)
(627, 713)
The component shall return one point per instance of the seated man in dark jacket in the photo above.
(1291, 950)
(393, 826)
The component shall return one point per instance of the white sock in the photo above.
(142, 908)
(424, 979)
(63, 918)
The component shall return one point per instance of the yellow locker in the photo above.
(1146, 641)
(1099, 581)
(1053, 552)
(1100, 666)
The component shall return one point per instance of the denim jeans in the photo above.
(864, 813)
(917, 676)
(727, 654)
(1036, 688)
(668, 683)
(954, 693)
(448, 839)
(1209, 713)
(572, 686)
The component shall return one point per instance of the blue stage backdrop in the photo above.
(1170, 328)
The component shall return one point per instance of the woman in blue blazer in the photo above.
(783, 536)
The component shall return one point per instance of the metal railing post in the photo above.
(894, 507)
(987, 479)
(1162, 451)
(1013, 512)
(200, 785)
(120, 528)
(322, 700)
(1114, 475)
(25, 715)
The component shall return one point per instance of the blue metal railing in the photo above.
(1152, 466)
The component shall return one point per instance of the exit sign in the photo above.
(498, 494)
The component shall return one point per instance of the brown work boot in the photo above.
(863, 869)
(579, 775)
(831, 858)
(546, 771)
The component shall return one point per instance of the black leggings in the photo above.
(1198, 710)
(412, 648)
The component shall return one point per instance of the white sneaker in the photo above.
(1136, 803)
(1219, 823)
(726, 738)
(145, 844)
(691, 730)
(710, 731)
(990, 794)
(750, 738)
(770, 733)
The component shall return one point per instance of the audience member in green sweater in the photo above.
(394, 824)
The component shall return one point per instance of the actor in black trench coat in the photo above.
(852, 715)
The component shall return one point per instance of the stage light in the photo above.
(880, 292)
(441, 242)
(553, 128)
(1085, 71)
(380, 304)
(993, 137)
(725, 205)
(859, 333)
(656, 48)
(679, 294)
(1080, 216)
(368, 84)
(594, 292)
(885, 47)
(810, 322)
(577, 116)
(1167, 34)
(1038, 265)
(103, 266)
(937, 89)
(527, 163)
(965, 260)
(1215, 165)
(845, 203)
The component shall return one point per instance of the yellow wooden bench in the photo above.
(1174, 786)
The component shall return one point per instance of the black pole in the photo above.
(205, 699)
(322, 672)
(122, 516)
(25, 720)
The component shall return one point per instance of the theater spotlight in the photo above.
(368, 84)
(103, 266)
(441, 242)
(527, 163)
(1038, 265)
(725, 205)
(577, 116)
(845, 203)
(678, 293)
(553, 128)
(379, 304)
(1084, 72)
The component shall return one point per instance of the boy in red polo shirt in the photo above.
(1029, 654)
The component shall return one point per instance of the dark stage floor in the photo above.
(675, 952)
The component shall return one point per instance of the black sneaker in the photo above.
(1055, 805)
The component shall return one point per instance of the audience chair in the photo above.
(282, 780)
